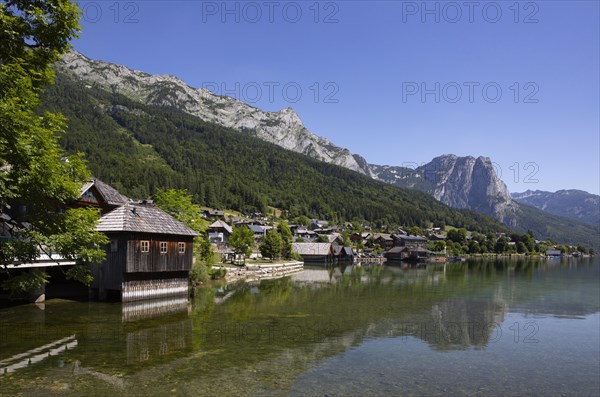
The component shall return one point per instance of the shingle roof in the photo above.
(143, 219)
(332, 237)
(411, 238)
(312, 248)
(259, 228)
(338, 249)
(109, 194)
(221, 225)
(396, 250)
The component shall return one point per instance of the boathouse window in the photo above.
(145, 246)
(163, 247)
(181, 247)
(114, 245)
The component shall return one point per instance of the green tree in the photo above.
(528, 242)
(346, 238)
(474, 247)
(34, 171)
(439, 246)
(357, 227)
(415, 230)
(284, 231)
(242, 240)
(286, 236)
(457, 235)
(582, 249)
(178, 203)
(272, 245)
(501, 245)
(322, 238)
(303, 220)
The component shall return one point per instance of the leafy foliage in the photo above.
(177, 203)
(242, 240)
(37, 181)
(24, 282)
(272, 245)
(287, 237)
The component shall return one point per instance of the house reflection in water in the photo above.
(128, 336)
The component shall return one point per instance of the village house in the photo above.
(100, 195)
(314, 252)
(305, 234)
(219, 232)
(343, 254)
(149, 255)
(436, 237)
(385, 242)
(317, 224)
(332, 237)
(213, 214)
(408, 248)
(259, 231)
(361, 238)
(409, 241)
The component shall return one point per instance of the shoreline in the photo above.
(260, 271)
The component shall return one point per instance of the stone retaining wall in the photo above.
(254, 272)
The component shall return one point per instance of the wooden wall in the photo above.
(153, 261)
(109, 274)
(124, 257)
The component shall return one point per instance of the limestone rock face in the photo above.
(283, 128)
(460, 182)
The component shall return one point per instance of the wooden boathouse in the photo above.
(149, 255)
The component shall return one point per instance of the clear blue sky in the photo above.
(397, 82)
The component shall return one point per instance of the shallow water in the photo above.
(480, 328)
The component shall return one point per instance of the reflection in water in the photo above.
(25, 359)
(139, 310)
(301, 334)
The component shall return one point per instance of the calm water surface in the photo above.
(480, 328)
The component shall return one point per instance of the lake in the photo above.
(478, 328)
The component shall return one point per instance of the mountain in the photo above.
(574, 204)
(121, 100)
(472, 183)
(460, 182)
(283, 128)
(138, 148)
(465, 183)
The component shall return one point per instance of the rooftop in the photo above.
(110, 195)
(133, 217)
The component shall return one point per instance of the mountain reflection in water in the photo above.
(299, 334)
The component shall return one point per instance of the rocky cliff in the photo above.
(460, 182)
(283, 128)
